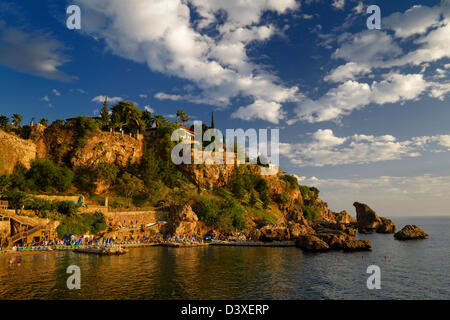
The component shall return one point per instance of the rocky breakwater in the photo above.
(337, 236)
(315, 236)
(368, 221)
(410, 232)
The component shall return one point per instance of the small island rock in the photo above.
(410, 232)
(368, 221)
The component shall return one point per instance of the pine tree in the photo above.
(106, 117)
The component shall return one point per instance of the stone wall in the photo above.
(127, 218)
(58, 198)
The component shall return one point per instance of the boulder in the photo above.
(296, 230)
(344, 217)
(274, 233)
(387, 226)
(182, 220)
(311, 243)
(255, 235)
(357, 245)
(368, 221)
(338, 237)
(410, 232)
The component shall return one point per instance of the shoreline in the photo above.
(277, 244)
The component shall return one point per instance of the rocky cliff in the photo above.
(108, 147)
(14, 150)
(59, 145)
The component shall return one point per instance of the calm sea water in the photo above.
(409, 270)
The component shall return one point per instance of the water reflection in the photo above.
(409, 270)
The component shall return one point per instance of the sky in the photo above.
(363, 113)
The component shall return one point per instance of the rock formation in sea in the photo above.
(368, 221)
(410, 232)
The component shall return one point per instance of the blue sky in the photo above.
(363, 114)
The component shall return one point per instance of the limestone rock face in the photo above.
(182, 220)
(311, 243)
(274, 233)
(344, 217)
(111, 148)
(368, 221)
(387, 226)
(340, 236)
(410, 232)
(296, 230)
(14, 150)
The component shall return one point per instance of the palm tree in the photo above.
(17, 119)
(4, 120)
(158, 119)
(182, 116)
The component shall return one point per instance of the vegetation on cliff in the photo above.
(87, 155)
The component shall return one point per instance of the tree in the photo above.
(147, 119)
(5, 182)
(18, 179)
(106, 171)
(85, 129)
(45, 175)
(67, 208)
(160, 120)
(44, 122)
(212, 121)
(104, 114)
(129, 186)
(125, 113)
(4, 120)
(17, 199)
(40, 207)
(182, 116)
(17, 119)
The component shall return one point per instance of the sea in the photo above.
(417, 269)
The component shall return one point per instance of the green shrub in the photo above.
(311, 193)
(225, 214)
(264, 217)
(85, 128)
(82, 224)
(207, 211)
(45, 175)
(291, 180)
(18, 178)
(310, 213)
(67, 208)
(41, 207)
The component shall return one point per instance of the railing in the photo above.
(24, 234)
(18, 219)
